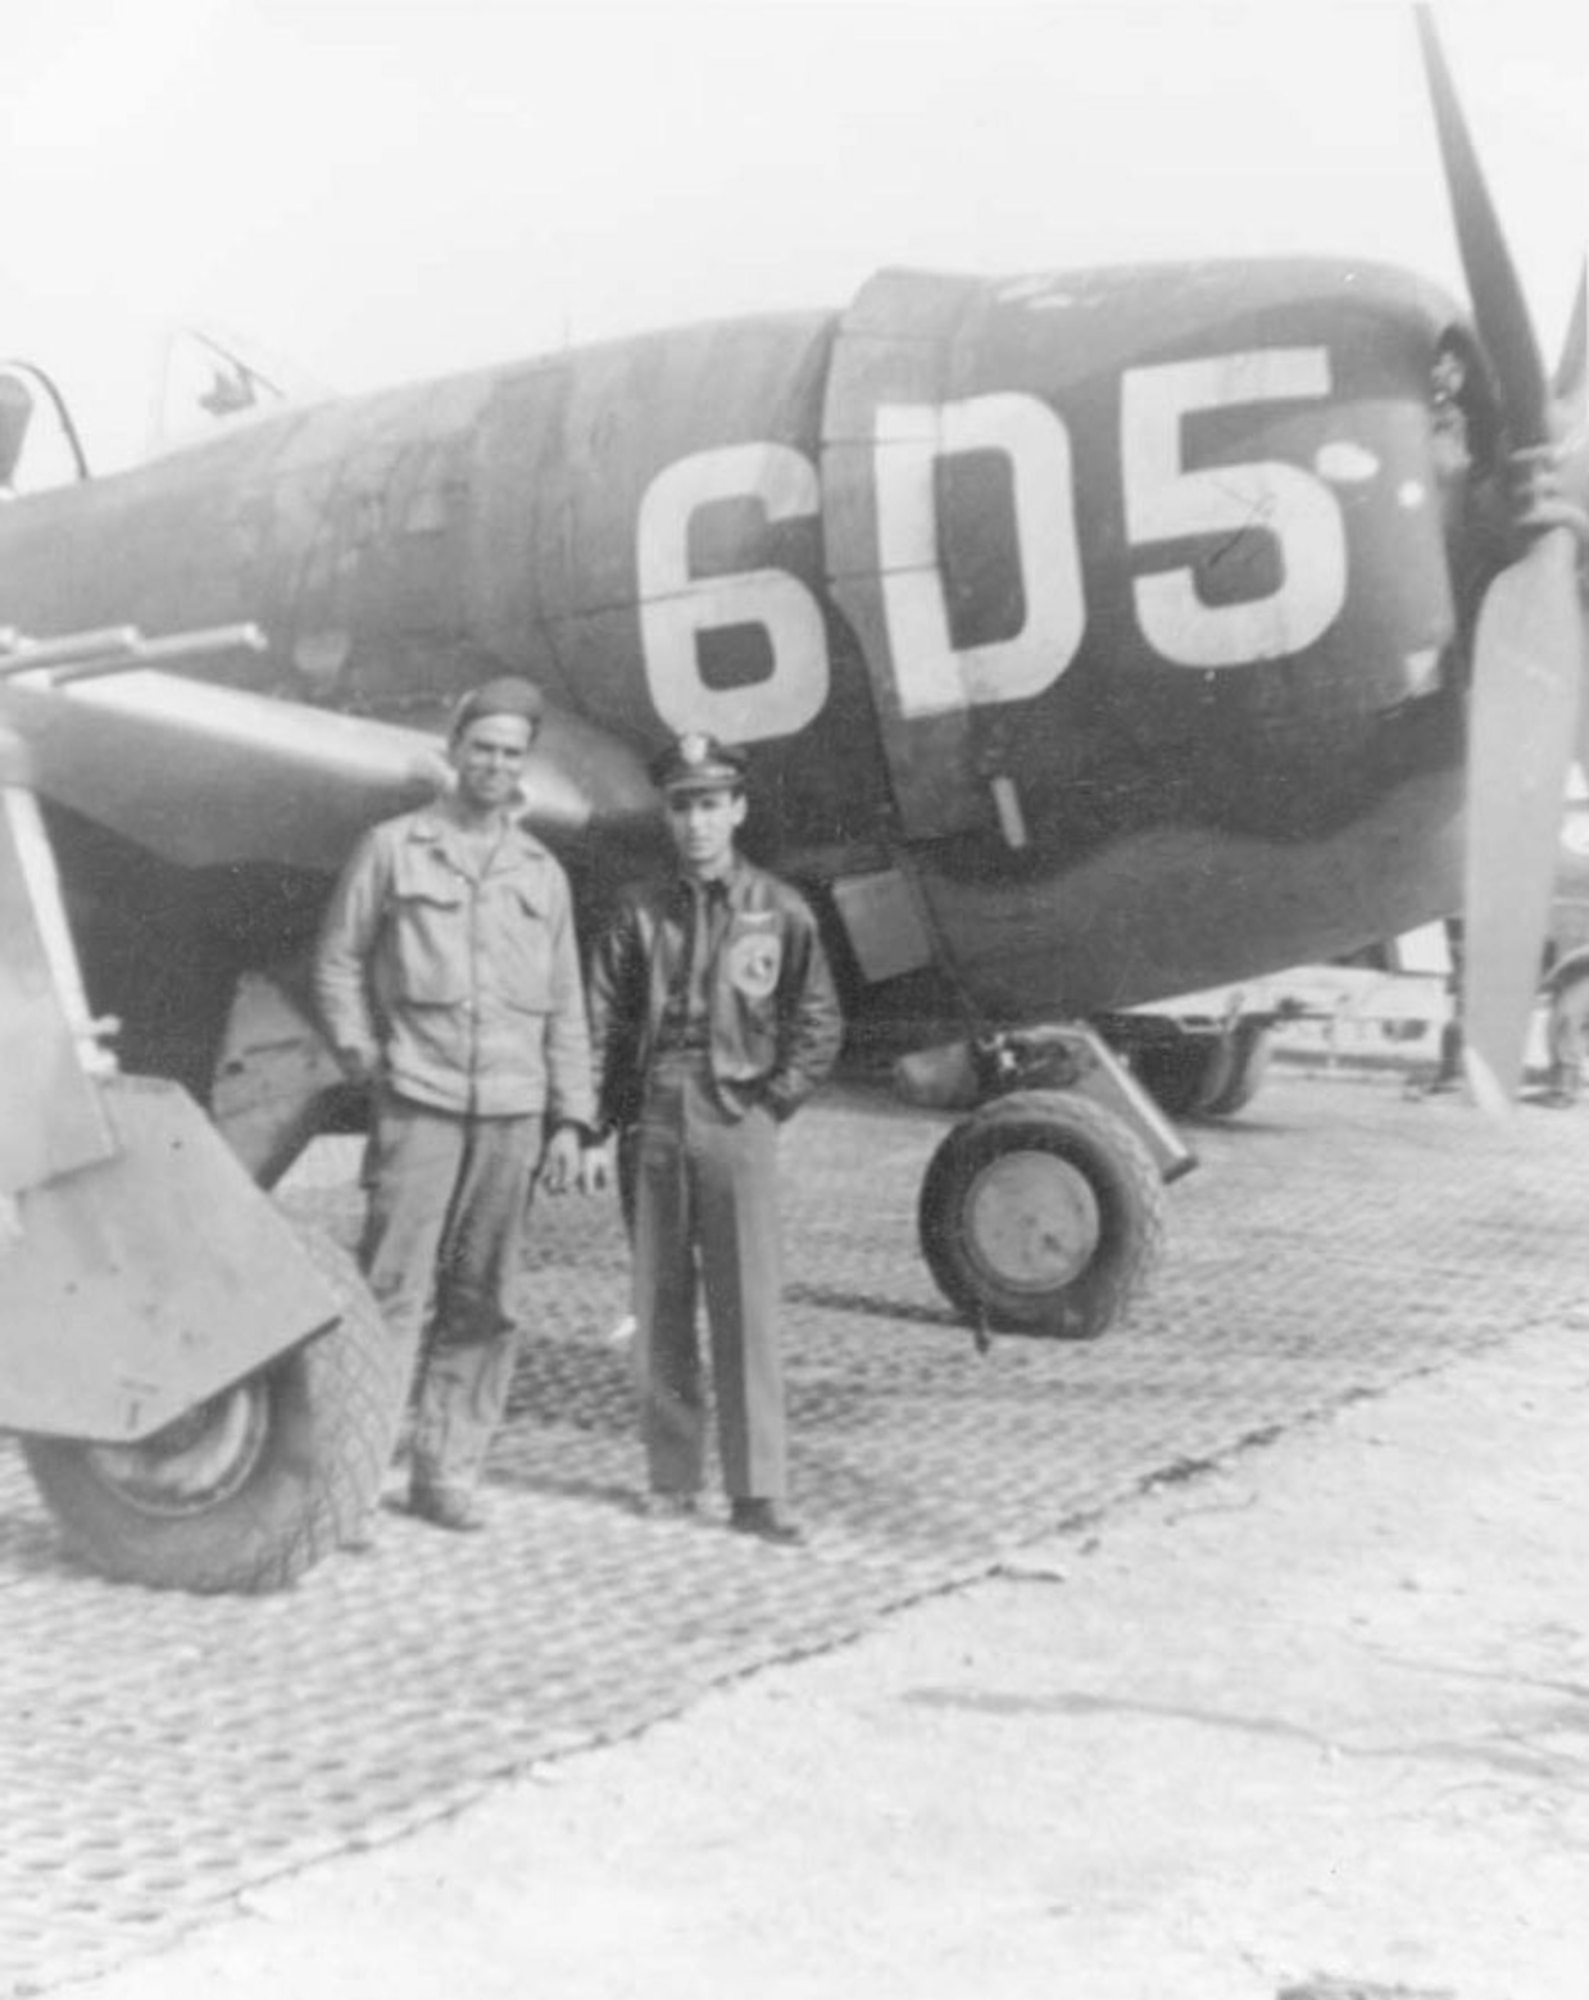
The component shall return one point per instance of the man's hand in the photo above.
(595, 1167)
(359, 1066)
(574, 1159)
(560, 1163)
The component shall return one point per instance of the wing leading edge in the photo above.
(204, 776)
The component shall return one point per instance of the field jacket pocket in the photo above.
(427, 955)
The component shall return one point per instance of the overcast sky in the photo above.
(379, 189)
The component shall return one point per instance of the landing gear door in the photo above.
(53, 1122)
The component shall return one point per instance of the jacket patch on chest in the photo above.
(755, 958)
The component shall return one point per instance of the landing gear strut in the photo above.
(1196, 1072)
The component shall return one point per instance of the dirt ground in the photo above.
(1317, 1719)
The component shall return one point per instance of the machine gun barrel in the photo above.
(170, 650)
(27, 656)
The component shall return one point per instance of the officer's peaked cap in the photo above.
(698, 763)
(506, 695)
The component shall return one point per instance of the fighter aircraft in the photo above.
(1098, 635)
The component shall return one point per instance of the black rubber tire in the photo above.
(1253, 1052)
(323, 1421)
(1186, 1074)
(1125, 1183)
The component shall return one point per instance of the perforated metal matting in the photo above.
(160, 1754)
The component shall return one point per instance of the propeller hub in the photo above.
(1550, 486)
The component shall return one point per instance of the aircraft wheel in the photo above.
(1248, 1069)
(250, 1489)
(1042, 1214)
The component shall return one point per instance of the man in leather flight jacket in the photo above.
(713, 1017)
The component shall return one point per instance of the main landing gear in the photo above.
(252, 1486)
(1043, 1212)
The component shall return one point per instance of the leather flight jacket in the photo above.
(774, 1022)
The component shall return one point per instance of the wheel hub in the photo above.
(194, 1463)
(1032, 1221)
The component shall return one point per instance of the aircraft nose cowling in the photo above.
(1180, 522)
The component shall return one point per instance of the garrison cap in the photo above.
(506, 695)
(698, 763)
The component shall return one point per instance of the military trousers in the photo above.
(706, 1219)
(449, 1196)
(1567, 1036)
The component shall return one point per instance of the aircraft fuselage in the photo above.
(1099, 630)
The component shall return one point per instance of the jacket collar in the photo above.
(731, 882)
(433, 826)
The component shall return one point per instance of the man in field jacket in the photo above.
(448, 978)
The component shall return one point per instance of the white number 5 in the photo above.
(1165, 502)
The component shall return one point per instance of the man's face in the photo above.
(703, 825)
(489, 757)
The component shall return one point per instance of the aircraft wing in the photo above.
(204, 775)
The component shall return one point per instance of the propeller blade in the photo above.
(1572, 371)
(1528, 657)
(1572, 415)
(1499, 310)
